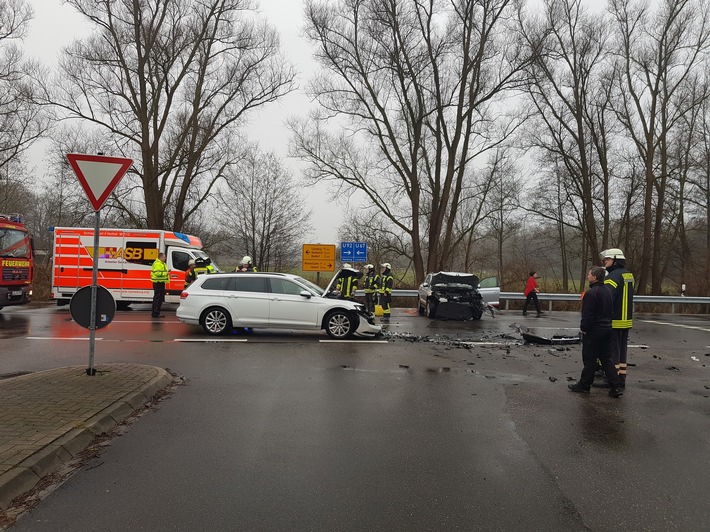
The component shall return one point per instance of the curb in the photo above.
(53, 456)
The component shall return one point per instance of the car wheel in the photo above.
(340, 324)
(216, 320)
(430, 309)
(420, 308)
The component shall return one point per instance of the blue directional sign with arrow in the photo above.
(353, 252)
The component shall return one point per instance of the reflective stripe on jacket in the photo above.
(621, 283)
(387, 284)
(346, 286)
(369, 284)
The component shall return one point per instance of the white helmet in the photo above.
(246, 259)
(612, 253)
(386, 265)
(369, 267)
(346, 265)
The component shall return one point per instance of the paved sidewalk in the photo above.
(48, 417)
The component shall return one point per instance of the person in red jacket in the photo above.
(530, 294)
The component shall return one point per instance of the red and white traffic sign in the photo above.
(98, 174)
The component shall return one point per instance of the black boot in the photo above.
(616, 391)
(576, 387)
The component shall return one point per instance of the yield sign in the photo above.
(98, 174)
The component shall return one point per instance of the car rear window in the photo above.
(216, 283)
(248, 283)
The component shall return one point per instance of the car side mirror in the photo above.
(306, 294)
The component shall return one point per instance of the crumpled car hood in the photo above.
(454, 280)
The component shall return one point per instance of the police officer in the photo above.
(621, 282)
(246, 265)
(386, 285)
(370, 287)
(159, 277)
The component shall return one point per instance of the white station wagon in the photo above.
(220, 302)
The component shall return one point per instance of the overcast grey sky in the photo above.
(57, 24)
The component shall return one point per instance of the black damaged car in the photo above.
(454, 296)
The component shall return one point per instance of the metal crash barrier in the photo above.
(506, 297)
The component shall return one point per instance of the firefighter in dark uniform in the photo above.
(191, 273)
(369, 286)
(386, 285)
(347, 283)
(621, 283)
(246, 265)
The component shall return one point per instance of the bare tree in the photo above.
(657, 54)
(171, 81)
(568, 94)
(21, 119)
(417, 87)
(503, 219)
(698, 195)
(263, 211)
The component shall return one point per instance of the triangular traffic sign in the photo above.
(98, 174)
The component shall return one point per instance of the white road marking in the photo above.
(704, 329)
(209, 340)
(353, 341)
(58, 338)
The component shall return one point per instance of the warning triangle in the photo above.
(98, 174)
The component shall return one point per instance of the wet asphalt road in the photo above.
(438, 426)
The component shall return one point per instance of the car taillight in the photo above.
(183, 295)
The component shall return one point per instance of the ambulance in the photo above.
(125, 258)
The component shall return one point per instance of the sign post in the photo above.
(98, 175)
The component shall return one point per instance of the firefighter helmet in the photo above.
(612, 253)
(369, 267)
(386, 265)
(346, 265)
(246, 259)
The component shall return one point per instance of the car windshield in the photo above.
(14, 243)
(202, 255)
(317, 290)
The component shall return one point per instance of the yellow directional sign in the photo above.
(318, 258)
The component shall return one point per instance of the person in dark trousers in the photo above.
(596, 335)
(621, 282)
(159, 277)
(530, 294)
(369, 287)
(386, 285)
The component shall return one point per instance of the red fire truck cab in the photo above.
(16, 261)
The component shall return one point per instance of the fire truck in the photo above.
(16, 261)
(125, 258)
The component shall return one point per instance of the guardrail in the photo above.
(507, 297)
